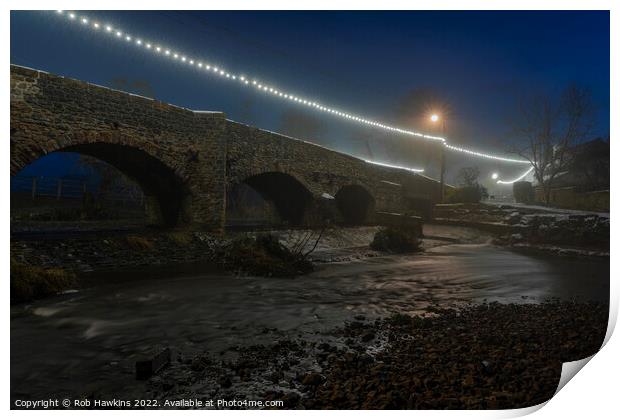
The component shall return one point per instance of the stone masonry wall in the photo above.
(51, 113)
(252, 151)
(181, 155)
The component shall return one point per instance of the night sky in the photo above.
(479, 63)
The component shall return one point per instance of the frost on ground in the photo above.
(558, 231)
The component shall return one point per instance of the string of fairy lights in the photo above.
(519, 178)
(260, 86)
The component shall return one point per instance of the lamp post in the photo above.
(436, 119)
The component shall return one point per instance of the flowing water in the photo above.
(86, 342)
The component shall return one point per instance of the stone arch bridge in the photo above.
(186, 161)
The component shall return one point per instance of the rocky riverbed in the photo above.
(490, 356)
(325, 338)
(535, 228)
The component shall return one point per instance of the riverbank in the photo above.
(534, 229)
(108, 251)
(86, 343)
(490, 356)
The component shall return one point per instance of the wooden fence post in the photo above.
(59, 191)
(34, 187)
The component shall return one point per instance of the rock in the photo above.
(516, 237)
(514, 218)
(225, 382)
(312, 379)
(152, 363)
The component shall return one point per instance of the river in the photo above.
(85, 343)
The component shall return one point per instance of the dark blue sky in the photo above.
(363, 62)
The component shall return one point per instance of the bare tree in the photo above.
(547, 131)
(468, 176)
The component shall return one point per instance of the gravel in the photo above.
(490, 356)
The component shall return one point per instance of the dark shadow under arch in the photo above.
(355, 204)
(158, 182)
(289, 196)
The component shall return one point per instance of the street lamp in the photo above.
(435, 119)
(495, 175)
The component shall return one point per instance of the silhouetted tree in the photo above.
(547, 129)
(468, 176)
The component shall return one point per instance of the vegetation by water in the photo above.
(396, 240)
(31, 282)
(265, 256)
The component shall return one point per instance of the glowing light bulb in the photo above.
(434, 118)
(495, 175)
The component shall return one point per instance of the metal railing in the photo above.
(70, 188)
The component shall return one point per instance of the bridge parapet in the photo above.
(175, 154)
(185, 161)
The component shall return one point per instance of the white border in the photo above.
(592, 394)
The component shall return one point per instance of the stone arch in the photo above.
(355, 204)
(290, 196)
(167, 196)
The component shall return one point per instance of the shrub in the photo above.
(393, 240)
(138, 242)
(470, 194)
(180, 237)
(28, 282)
(265, 256)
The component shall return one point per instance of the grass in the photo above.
(180, 237)
(29, 282)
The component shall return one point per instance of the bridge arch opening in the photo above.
(159, 191)
(269, 198)
(355, 204)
